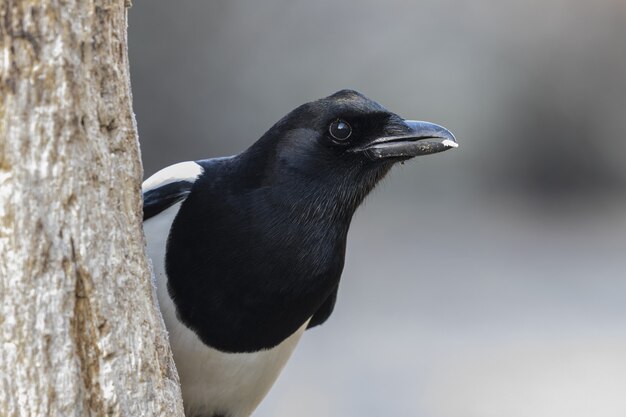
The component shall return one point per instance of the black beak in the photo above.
(423, 138)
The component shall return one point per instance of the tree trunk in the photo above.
(80, 334)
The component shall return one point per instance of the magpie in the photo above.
(247, 250)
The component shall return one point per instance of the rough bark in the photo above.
(79, 331)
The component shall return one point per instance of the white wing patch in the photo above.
(183, 171)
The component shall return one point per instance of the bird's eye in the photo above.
(340, 130)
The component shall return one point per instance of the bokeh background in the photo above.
(486, 281)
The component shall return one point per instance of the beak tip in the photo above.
(430, 129)
(449, 143)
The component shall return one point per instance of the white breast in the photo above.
(213, 382)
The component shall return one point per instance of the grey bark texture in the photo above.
(80, 333)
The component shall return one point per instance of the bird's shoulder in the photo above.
(169, 186)
(174, 183)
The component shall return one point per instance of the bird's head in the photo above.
(341, 146)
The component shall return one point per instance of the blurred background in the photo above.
(485, 281)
